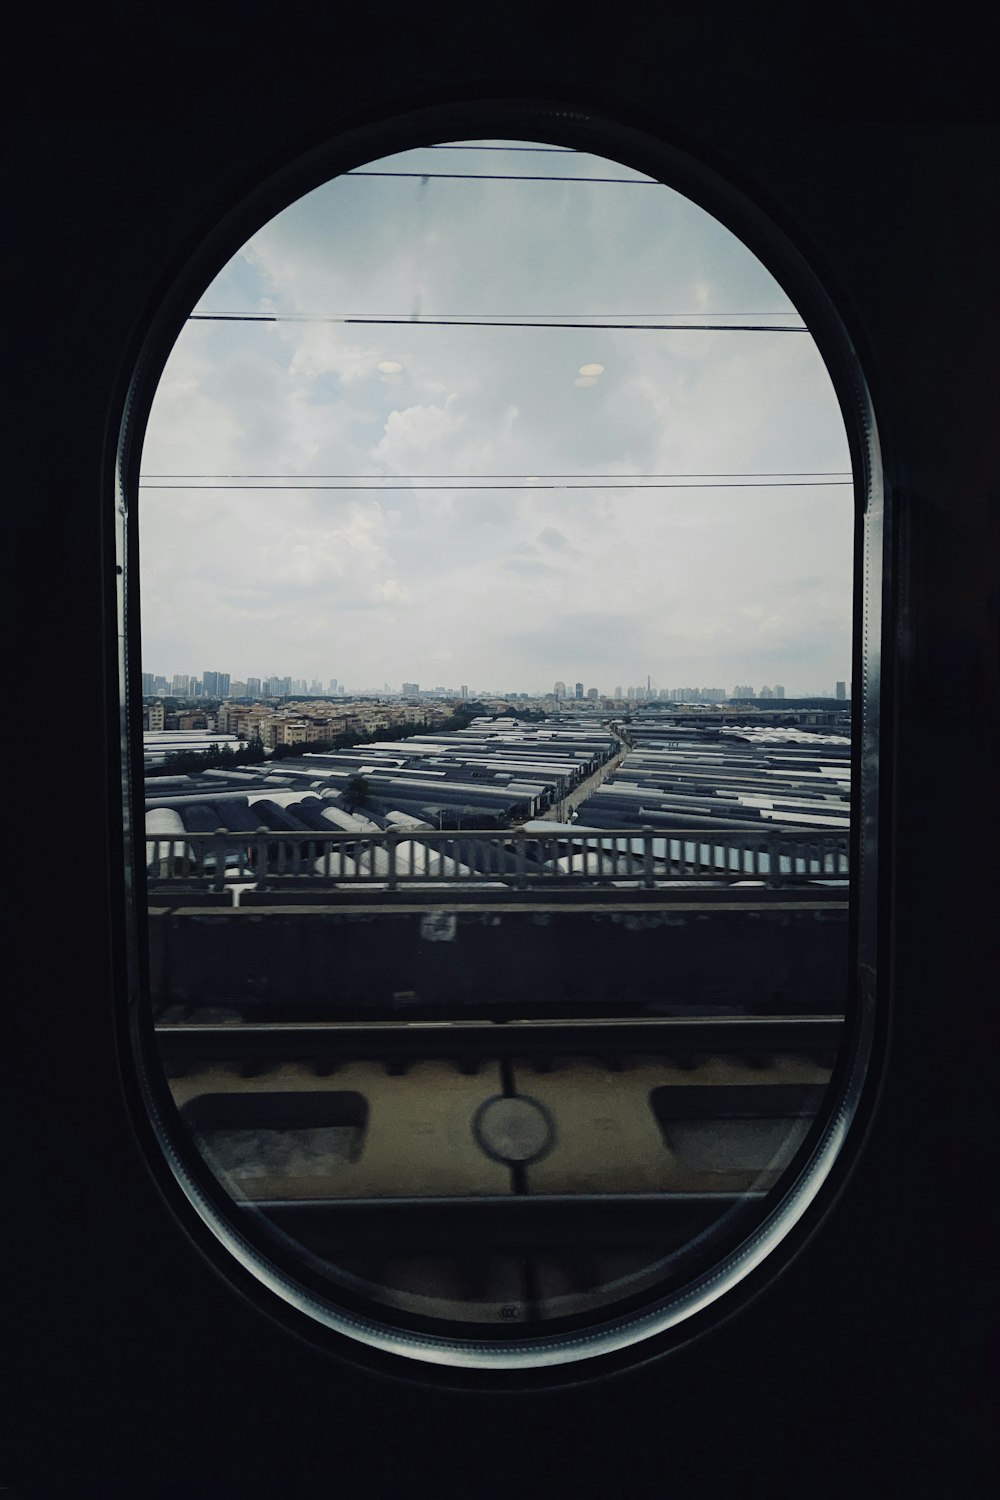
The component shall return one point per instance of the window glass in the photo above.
(496, 519)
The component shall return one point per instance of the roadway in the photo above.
(561, 810)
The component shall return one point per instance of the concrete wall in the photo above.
(407, 964)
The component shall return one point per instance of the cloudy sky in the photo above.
(417, 566)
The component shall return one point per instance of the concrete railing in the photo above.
(644, 857)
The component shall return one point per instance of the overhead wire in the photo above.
(424, 322)
(527, 317)
(755, 484)
(501, 177)
(473, 146)
(531, 478)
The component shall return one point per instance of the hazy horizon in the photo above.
(474, 689)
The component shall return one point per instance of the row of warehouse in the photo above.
(733, 778)
(497, 773)
(488, 775)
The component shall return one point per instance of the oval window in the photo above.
(496, 522)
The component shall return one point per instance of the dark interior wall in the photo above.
(132, 1366)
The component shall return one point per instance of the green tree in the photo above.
(357, 791)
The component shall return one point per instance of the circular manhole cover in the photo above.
(514, 1129)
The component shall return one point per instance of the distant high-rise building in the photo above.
(579, 690)
(464, 690)
(253, 687)
(842, 690)
(560, 690)
(333, 684)
(411, 689)
(779, 691)
(593, 694)
(618, 691)
(743, 690)
(181, 684)
(765, 692)
(148, 684)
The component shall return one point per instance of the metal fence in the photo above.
(269, 858)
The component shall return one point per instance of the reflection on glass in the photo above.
(498, 975)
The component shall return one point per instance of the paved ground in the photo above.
(559, 812)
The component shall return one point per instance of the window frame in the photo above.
(189, 1193)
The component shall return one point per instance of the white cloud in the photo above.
(351, 549)
(416, 433)
(393, 592)
(322, 351)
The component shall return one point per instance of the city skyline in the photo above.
(227, 684)
(553, 552)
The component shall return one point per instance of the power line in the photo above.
(501, 177)
(492, 323)
(760, 484)
(669, 474)
(567, 150)
(522, 316)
